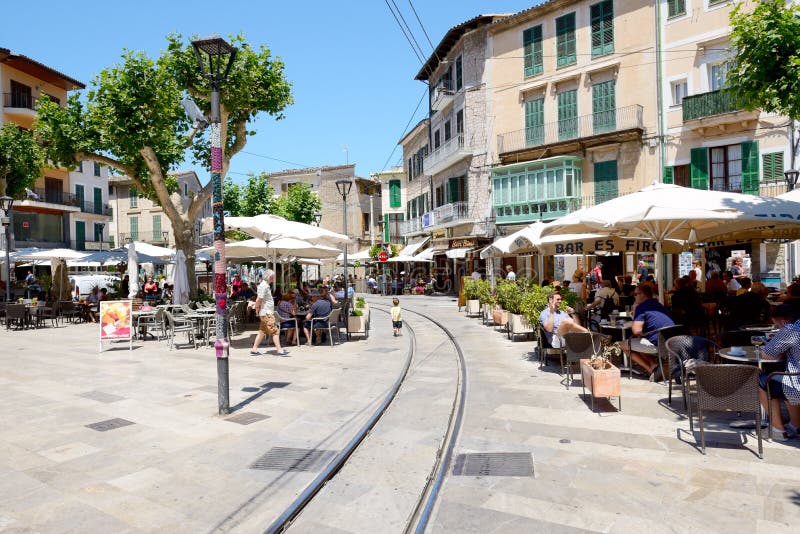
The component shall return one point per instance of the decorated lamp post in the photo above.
(6, 203)
(343, 186)
(217, 53)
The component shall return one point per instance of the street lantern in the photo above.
(6, 203)
(218, 53)
(102, 226)
(791, 178)
(344, 186)
(317, 218)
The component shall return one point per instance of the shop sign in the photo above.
(464, 242)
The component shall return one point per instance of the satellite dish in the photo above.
(194, 113)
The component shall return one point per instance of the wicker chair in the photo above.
(69, 311)
(579, 345)
(681, 348)
(547, 349)
(769, 397)
(660, 350)
(17, 316)
(722, 388)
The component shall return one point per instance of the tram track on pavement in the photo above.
(419, 511)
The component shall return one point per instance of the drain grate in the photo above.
(101, 397)
(245, 418)
(110, 424)
(291, 459)
(494, 464)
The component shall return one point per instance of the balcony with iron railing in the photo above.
(451, 152)
(442, 94)
(597, 128)
(441, 217)
(56, 197)
(92, 207)
(91, 246)
(19, 101)
(708, 104)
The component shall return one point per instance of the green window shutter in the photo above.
(459, 74)
(452, 190)
(134, 226)
(567, 114)
(98, 201)
(565, 40)
(394, 194)
(133, 196)
(385, 227)
(98, 232)
(602, 16)
(699, 168)
(157, 228)
(79, 195)
(534, 122)
(772, 167)
(750, 168)
(604, 103)
(605, 181)
(669, 175)
(80, 235)
(676, 8)
(532, 50)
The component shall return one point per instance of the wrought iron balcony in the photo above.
(443, 216)
(441, 95)
(77, 244)
(451, 152)
(709, 104)
(586, 126)
(50, 196)
(19, 100)
(91, 207)
(155, 237)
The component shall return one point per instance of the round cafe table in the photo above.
(750, 356)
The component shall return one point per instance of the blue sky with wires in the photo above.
(351, 67)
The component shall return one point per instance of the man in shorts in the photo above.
(265, 308)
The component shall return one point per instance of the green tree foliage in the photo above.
(133, 121)
(231, 197)
(301, 204)
(767, 62)
(20, 160)
(258, 196)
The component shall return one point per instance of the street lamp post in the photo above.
(791, 178)
(344, 186)
(317, 222)
(6, 203)
(220, 56)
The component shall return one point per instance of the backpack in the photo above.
(593, 278)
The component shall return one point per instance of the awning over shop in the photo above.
(458, 253)
(427, 255)
(413, 247)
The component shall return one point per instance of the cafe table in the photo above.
(621, 326)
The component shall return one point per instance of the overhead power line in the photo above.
(405, 128)
(419, 54)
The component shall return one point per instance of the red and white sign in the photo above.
(383, 256)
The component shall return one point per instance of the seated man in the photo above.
(605, 299)
(94, 299)
(246, 293)
(556, 321)
(786, 343)
(320, 307)
(648, 315)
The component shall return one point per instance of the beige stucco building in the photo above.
(139, 219)
(45, 215)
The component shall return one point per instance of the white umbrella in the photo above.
(53, 254)
(180, 291)
(153, 250)
(270, 227)
(133, 272)
(664, 211)
(281, 247)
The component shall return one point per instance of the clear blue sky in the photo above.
(351, 68)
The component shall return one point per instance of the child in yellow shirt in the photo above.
(397, 319)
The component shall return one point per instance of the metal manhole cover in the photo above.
(291, 459)
(381, 349)
(496, 464)
(101, 397)
(245, 418)
(110, 424)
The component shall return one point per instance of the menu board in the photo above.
(115, 319)
(685, 263)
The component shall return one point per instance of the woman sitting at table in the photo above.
(786, 343)
(287, 309)
(93, 301)
(150, 288)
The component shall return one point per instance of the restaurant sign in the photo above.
(115, 320)
(464, 242)
(609, 244)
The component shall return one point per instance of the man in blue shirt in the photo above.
(320, 307)
(649, 315)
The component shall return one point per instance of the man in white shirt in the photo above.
(731, 283)
(476, 275)
(510, 274)
(265, 308)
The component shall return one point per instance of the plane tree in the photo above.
(132, 120)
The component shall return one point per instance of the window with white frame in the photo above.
(679, 89)
(718, 74)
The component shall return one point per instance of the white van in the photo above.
(87, 281)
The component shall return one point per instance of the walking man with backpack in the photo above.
(596, 276)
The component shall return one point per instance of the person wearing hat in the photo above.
(265, 308)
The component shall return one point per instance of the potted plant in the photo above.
(506, 294)
(600, 376)
(472, 291)
(357, 322)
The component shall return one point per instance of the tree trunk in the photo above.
(184, 240)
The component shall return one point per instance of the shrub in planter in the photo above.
(472, 289)
(509, 295)
(356, 313)
(360, 302)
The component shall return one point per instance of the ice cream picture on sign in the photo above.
(115, 319)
